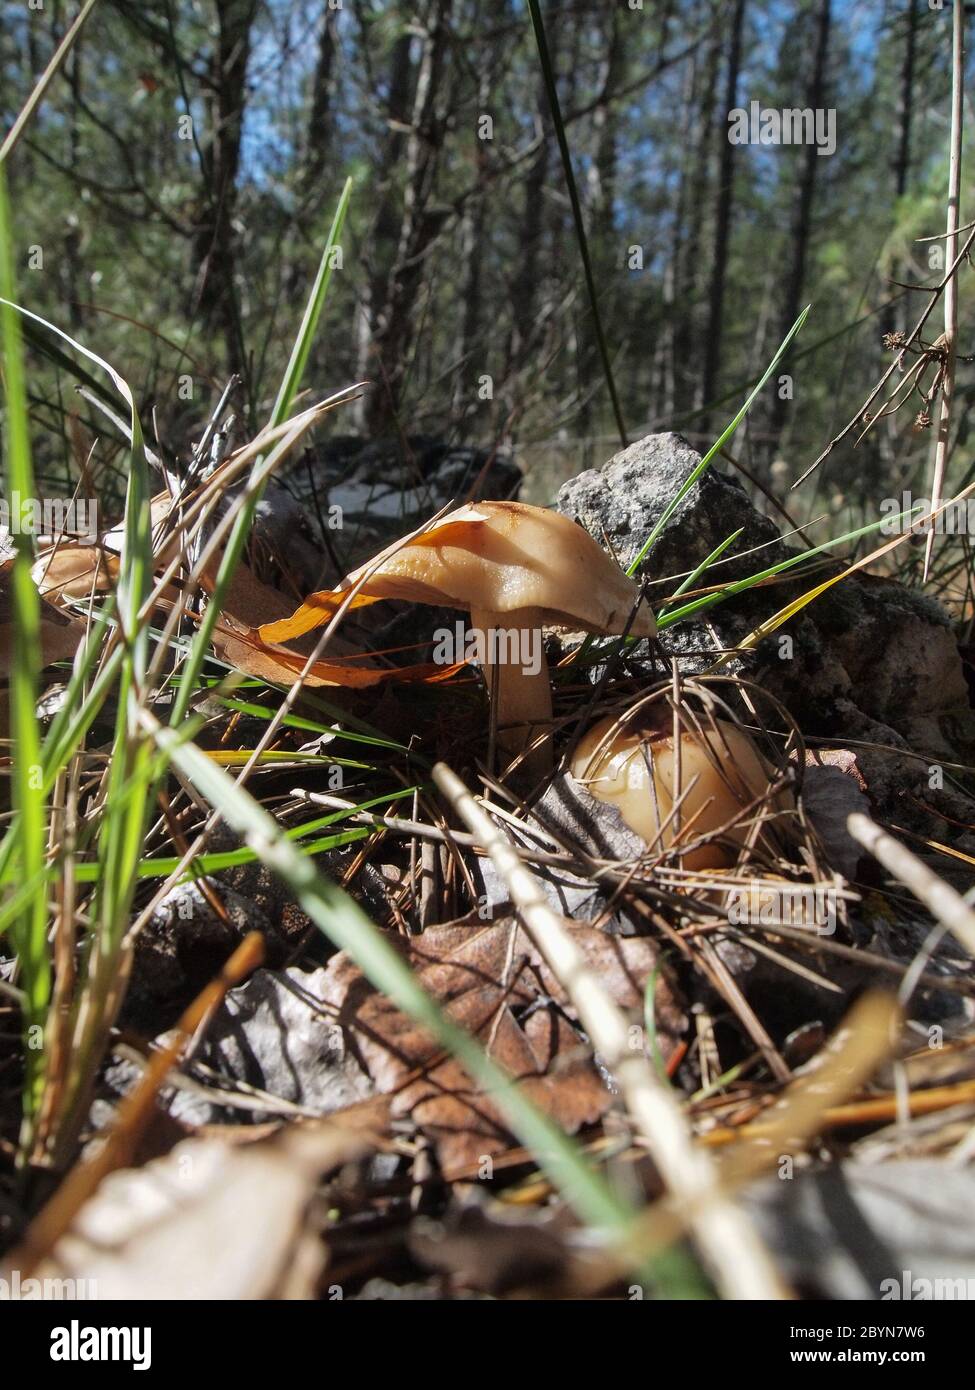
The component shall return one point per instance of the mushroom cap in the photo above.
(730, 771)
(499, 557)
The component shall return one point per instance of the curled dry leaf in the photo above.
(210, 1220)
(494, 983)
(241, 648)
(60, 635)
(75, 571)
(251, 603)
(70, 572)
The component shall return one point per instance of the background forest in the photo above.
(174, 191)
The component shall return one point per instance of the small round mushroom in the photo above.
(515, 569)
(614, 763)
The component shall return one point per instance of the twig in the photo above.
(951, 251)
(941, 900)
(936, 294)
(872, 1110)
(46, 78)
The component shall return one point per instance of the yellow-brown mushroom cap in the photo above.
(500, 557)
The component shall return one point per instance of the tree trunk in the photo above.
(215, 243)
(604, 251)
(722, 227)
(380, 245)
(320, 116)
(393, 332)
(688, 331)
(896, 316)
(802, 212)
(525, 284)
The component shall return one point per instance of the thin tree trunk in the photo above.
(394, 332)
(380, 244)
(215, 241)
(525, 286)
(906, 103)
(688, 330)
(672, 280)
(897, 317)
(319, 130)
(722, 227)
(602, 188)
(802, 213)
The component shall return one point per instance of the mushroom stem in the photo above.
(523, 697)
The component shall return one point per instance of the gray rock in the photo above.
(275, 1034)
(625, 499)
(828, 797)
(858, 1231)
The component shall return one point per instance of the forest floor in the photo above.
(753, 1017)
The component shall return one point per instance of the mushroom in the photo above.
(516, 569)
(721, 771)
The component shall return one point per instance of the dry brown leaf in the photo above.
(393, 577)
(243, 649)
(75, 571)
(493, 982)
(70, 571)
(250, 604)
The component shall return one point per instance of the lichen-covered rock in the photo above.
(868, 660)
(621, 503)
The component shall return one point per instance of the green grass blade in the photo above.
(234, 548)
(295, 369)
(716, 448)
(739, 586)
(705, 564)
(30, 932)
(198, 650)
